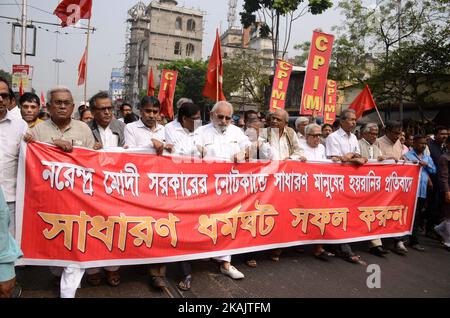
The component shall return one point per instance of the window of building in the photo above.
(177, 49)
(178, 24)
(189, 49)
(191, 25)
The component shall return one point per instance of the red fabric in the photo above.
(42, 99)
(119, 209)
(151, 83)
(70, 11)
(82, 70)
(20, 88)
(215, 66)
(167, 102)
(363, 102)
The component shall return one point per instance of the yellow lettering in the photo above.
(312, 102)
(319, 44)
(285, 66)
(278, 95)
(282, 74)
(318, 61)
(169, 76)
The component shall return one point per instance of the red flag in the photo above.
(70, 11)
(20, 88)
(151, 83)
(42, 100)
(82, 70)
(167, 102)
(213, 85)
(363, 102)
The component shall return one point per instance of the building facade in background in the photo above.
(116, 86)
(159, 33)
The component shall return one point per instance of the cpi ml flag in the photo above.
(329, 114)
(316, 74)
(280, 85)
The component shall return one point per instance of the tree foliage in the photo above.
(191, 79)
(244, 73)
(277, 18)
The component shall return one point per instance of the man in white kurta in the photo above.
(223, 141)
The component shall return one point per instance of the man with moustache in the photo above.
(29, 109)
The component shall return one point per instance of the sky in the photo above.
(107, 43)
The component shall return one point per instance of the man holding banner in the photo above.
(342, 145)
(223, 141)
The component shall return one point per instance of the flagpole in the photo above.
(87, 57)
(217, 83)
(376, 108)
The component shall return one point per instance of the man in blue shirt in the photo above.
(428, 169)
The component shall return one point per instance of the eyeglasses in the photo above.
(61, 102)
(5, 96)
(315, 135)
(221, 117)
(104, 109)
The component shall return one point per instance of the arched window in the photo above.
(177, 49)
(191, 25)
(178, 24)
(190, 49)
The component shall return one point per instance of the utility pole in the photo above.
(57, 61)
(400, 89)
(23, 51)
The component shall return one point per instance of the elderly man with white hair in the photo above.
(300, 125)
(314, 150)
(224, 141)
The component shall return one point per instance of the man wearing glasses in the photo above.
(61, 130)
(65, 133)
(12, 129)
(107, 131)
(223, 141)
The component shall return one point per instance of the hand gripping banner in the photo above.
(100, 208)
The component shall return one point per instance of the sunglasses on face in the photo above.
(221, 117)
(104, 109)
(315, 135)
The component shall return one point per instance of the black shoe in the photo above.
(378, 251)
(433, 235)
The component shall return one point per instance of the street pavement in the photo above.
(296, 275)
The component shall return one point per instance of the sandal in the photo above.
(94, 279)
(324, 255)
(274, 258)
(113, 278)
(355, 259)
(185, 284)
(251, 263)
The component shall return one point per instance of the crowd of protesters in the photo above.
(251, 136)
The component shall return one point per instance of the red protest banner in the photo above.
(316, 74)
(95, 208)
(329, 113)
(280, 85)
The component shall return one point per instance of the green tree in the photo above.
(277, 17)
(191, 80)
(244, 73)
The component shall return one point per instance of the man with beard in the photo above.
(223, 141)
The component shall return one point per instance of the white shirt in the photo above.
(15, 113)
(221, 145)
(12, 130)
(108, 138)
(280, 147)
(138, 135)
(315, 154)
(340, 143)
(182, 139)
(301, 139)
